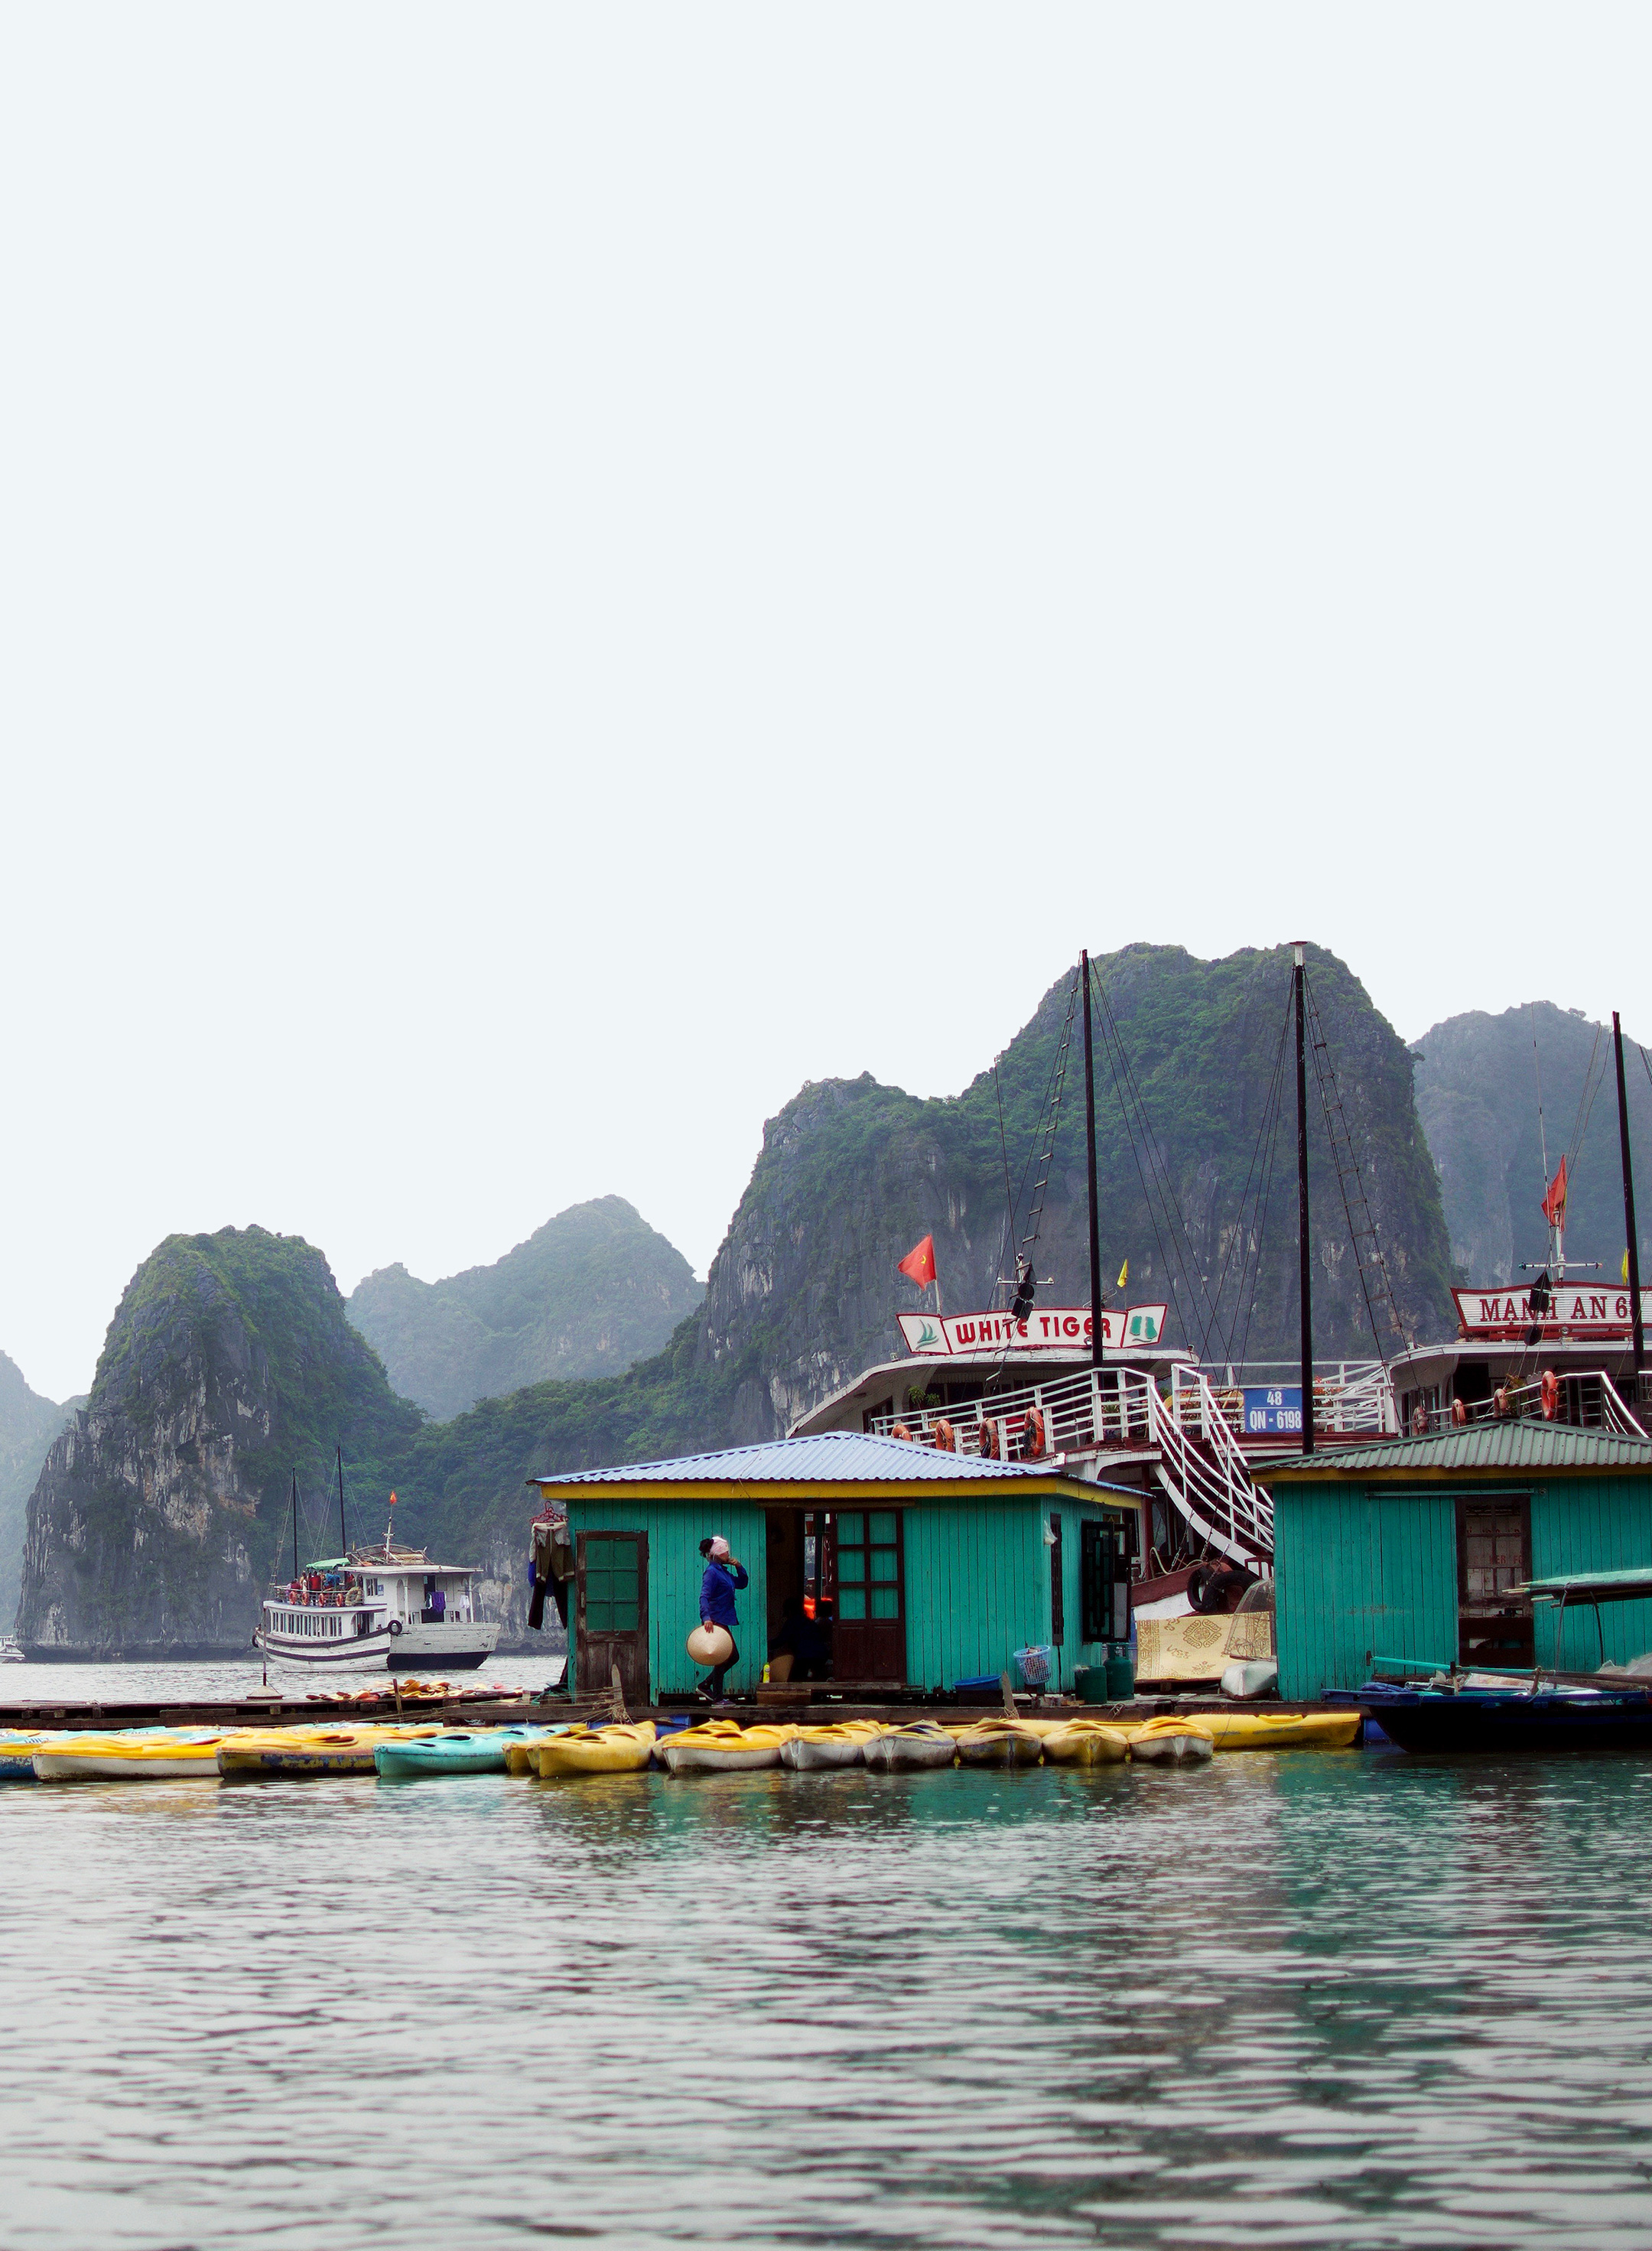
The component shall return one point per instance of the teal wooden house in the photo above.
(1413, 1549)
(917, 1569)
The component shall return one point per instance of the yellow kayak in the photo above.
(919, 1745)
(277, 1751)
(723, 1747)
(809, 1749)
(1172, 1739)
(1086, 1742)
(83, 1757)
(1282, 1731)
(596, 1750)
(999, 1742)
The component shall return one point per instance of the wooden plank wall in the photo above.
(1592, 1524)
(1361, 1574)
(675, 1530)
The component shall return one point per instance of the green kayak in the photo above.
(460, 1752)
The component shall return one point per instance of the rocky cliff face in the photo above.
(229, 1365)
(28, 1424)
(1478, 1082)
(805, 1290)
(589, 1294)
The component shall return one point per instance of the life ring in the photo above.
(901, 1431)
(1459, 1413)
(1034, 1434)
(1420, 1421)
(989, 1439)
(1551, 1395)
(946, 1438)
(395, 1625)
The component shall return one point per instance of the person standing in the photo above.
(724, 1575)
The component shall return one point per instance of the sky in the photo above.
(564, 571)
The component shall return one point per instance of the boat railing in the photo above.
(1589, 1400)
(1201, 1464)
(1350, 1396)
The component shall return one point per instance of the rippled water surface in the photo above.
(1289, 1999)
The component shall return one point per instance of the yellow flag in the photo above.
(1124, 1271)
(1626, 1266)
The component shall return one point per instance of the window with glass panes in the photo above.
(868, 1565)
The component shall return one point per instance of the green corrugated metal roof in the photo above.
(1518, 1445)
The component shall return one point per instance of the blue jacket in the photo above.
(716, 1594)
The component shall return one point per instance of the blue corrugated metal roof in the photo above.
(1516, 1445)
(831, 1458)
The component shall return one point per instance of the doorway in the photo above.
(611, 1618)
(869, 1550)
(1494, 1556)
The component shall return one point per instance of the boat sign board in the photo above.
(1054, 1329)
(1271, 1408)
(1582, 1309)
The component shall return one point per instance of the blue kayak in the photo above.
(481, 1753)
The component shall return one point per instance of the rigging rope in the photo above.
(1331, 1104)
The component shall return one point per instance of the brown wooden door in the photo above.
(611, 1620)
(869, 1640)
(1494, 1556)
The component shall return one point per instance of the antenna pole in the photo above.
(1301, 1211)
(1628, 1206)
(1089, 1150)
(343, 1536)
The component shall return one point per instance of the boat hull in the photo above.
(443, 1649)
(918, 1751)
(1522, 1724)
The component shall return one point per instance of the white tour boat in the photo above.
(389, 1607)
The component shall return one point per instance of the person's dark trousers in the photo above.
(714, 1686)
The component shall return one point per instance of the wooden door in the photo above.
(1494, 1556)
(611, 1619)
(869, 1640)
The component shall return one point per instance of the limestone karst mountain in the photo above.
(1478, 1079)
(590, 1292)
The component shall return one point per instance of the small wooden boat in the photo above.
(999, 1742)
(617, 1749)
(1170, 1740)
(1518, 1719)
(809, 1749)
(921, 1744)
(1086, 1742)
(723, 1747)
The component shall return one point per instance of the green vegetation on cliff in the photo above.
(588, 1294)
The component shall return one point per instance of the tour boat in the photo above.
(389, 1607)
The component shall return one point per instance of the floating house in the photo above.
(1411, 1549)
(921, 1568)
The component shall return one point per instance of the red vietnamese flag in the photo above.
(918, 1265)
(1554, 1204)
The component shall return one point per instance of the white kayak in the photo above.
(910, 1749)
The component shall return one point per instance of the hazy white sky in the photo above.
(565, 571)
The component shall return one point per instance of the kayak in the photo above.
(522, 1753)
(809, 1749)
(88, 1757)
(920, 1744)
(454, 1751)
(999, 1742)
(1086, 1742)
(1170, 1740)
(16, 1754)
(618, 1750)
(1261, 1731)
(723, 1747)
(299, 1751)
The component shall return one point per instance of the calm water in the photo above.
(1287, 1999)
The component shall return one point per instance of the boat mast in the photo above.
(1628, 1209)
(295, 1524)
(1089, 1147)
(343, 1537)
(1301, 1211)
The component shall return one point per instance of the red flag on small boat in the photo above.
(918, 1265)
(1554, 1204)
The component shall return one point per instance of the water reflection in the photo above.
(1299, 1999)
